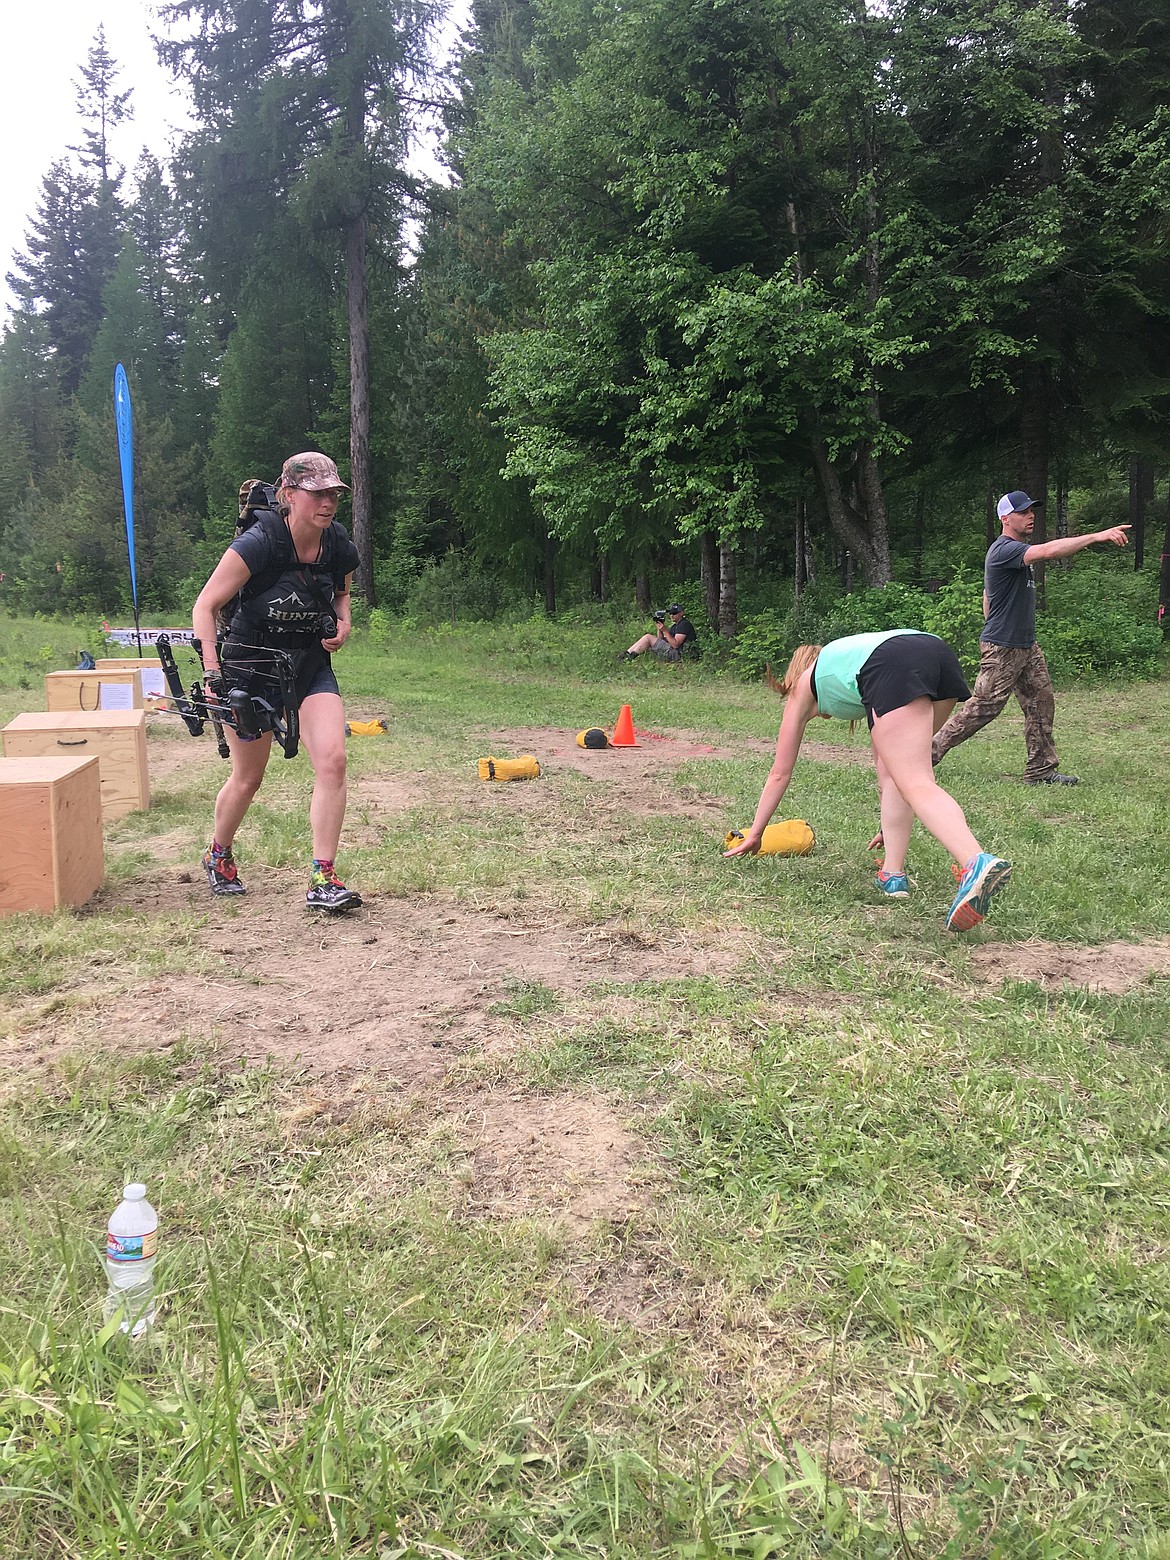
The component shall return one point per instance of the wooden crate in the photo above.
(154, 688)
(116, 738)
(83, 690)
(51, 825)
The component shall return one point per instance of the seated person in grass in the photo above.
(670, 642)
(905, 684)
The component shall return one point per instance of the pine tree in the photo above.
(72, 247)
(305, 123)
(101, 109)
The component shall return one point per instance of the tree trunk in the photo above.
(800, 562)
(1060, 521)
(862, 526)
(550, 586)
(1141, 491)
(728, 610)
(992, 519)
(1164, 577)
(1035, 440)
(642, 592)
(709, 574)
(358, 290)
(603, 578)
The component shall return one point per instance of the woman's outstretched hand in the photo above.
(748, 846)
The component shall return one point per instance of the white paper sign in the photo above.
(153, 682)
(115, 696)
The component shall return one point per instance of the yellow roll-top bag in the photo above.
(793, 837)
(523, 768)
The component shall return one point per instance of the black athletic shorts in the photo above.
(909, 667)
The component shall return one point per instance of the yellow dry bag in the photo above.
(592, 737)
(366, 728)
(793, 837)
(523, 768)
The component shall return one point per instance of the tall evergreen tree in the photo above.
(101, 109)
(72, 247)
(322, 84)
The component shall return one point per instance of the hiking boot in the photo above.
(1052, 779)
(328, 892)
(222, 876)
(627, 655)
(894, 885)
(983, 876)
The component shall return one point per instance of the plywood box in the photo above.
(116, 738)
(51, 825)
(83, 690)
(154, 688)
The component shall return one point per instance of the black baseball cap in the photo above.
(674, 607)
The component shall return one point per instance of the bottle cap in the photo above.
(135, 1192)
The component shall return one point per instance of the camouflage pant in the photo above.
(1004, 670)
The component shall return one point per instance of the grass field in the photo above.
(588, 1194)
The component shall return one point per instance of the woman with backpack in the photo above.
(283, 585)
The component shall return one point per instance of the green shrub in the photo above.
(1101, 620)
(955, 613)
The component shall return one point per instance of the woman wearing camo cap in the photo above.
(283, 584)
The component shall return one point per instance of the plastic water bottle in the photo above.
(131, 1248)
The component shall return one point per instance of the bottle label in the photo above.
(131, 1248)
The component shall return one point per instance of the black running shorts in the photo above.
(909, 667)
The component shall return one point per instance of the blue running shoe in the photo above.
(894, 885)
(983, 876)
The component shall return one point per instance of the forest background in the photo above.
(757, 305)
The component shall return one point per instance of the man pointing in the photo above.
(1010, 660)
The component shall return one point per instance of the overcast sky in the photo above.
(48, 43)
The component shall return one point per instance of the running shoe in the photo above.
(894, 885)
(328, 892)
(222, 876)
(983, 876)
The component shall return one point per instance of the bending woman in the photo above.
(905, 684)
(284, 585)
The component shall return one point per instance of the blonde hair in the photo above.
(803, 657)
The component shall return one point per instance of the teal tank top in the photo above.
(836, 672)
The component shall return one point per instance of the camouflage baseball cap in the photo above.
(311, 471)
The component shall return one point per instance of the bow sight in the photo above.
(249, 715)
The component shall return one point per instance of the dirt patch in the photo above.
(635, 782)
(567, 1157)
(399, 988)
(170, 751)
(657, 751)
(1114, 968)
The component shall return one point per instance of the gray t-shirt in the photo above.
(1011, 595)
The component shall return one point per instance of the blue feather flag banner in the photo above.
(125, 421)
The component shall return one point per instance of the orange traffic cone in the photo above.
(623, 732)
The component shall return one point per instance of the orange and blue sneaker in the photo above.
(982, 877)
(894, 885)
(220, 866)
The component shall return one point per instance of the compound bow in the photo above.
(247, 714)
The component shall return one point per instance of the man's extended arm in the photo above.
(1065, 546)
